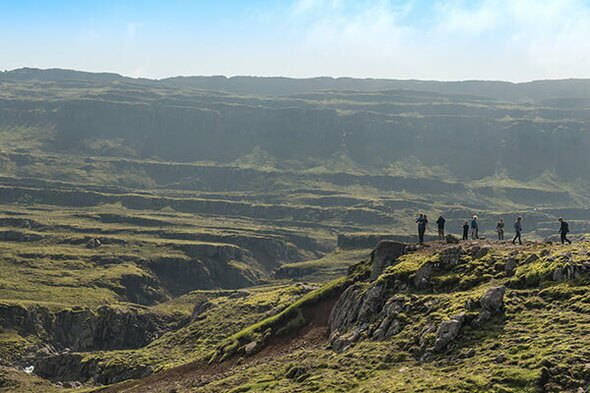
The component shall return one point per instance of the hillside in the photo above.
(354, 160)
(462, 318)
(179, 234)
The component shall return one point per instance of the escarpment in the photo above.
(442, 301)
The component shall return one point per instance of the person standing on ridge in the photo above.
(421, 221)
(474, 228)
(500, 229)
(465, 230)
(518, 230)
(564, 229)
(441, 227)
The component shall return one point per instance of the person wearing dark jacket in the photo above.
(518, 231)
(422, 220)
(500, 229)
(440, 222)
(564, 229)
(465, 230)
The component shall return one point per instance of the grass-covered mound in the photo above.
(537, 340)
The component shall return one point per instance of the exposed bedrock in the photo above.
(84, 329)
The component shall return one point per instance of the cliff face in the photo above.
(86, 329)
(446, 302)
(472, 145)
(472, 136)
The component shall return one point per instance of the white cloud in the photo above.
(490, 39)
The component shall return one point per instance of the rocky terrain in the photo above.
(469, 317)
(244, 234)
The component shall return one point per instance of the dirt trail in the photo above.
(201, 373)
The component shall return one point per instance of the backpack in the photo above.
(566, 227)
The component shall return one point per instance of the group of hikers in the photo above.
(422, 222)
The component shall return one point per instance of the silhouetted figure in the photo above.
(465, 230)
(500, 229)
(518, 231)
(564, 229)
(422, 220)
(474, 228)
(440, 222)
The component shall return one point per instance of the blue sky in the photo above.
(513, 40)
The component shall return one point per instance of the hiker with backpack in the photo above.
(422, 220)
(564, 229)
(500, 229)
(474, 228)
(518, 231)
(441, 227)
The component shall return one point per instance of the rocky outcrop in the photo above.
(69, 367)
(85, 329)
(18, 236)
(447, 331)
(493, 300)
(385, 254)
(490, 303)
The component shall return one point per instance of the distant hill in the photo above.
(535, 91)
(366, 152)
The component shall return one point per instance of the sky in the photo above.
(513, 40)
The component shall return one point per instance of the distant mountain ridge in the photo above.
(534, 91)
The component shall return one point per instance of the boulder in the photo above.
(384, 255)
(447, 331)
(451, 239)
(450, 257)
(481, 252)
(558, 274)
(493, 300)
(251, 348)
(510, 266)
(423, 275)
(93, 243)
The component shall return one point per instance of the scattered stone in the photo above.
(427, 357)
(251, 348)
(558, 274)
(493, 299)
(93, 243)
(510, 266)
(501, 358)
(450, 257)
(481, 252)
(481, 318)
(297, 373)
(72, 385)
(531, 258)
(447, 331)
(470, 353)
